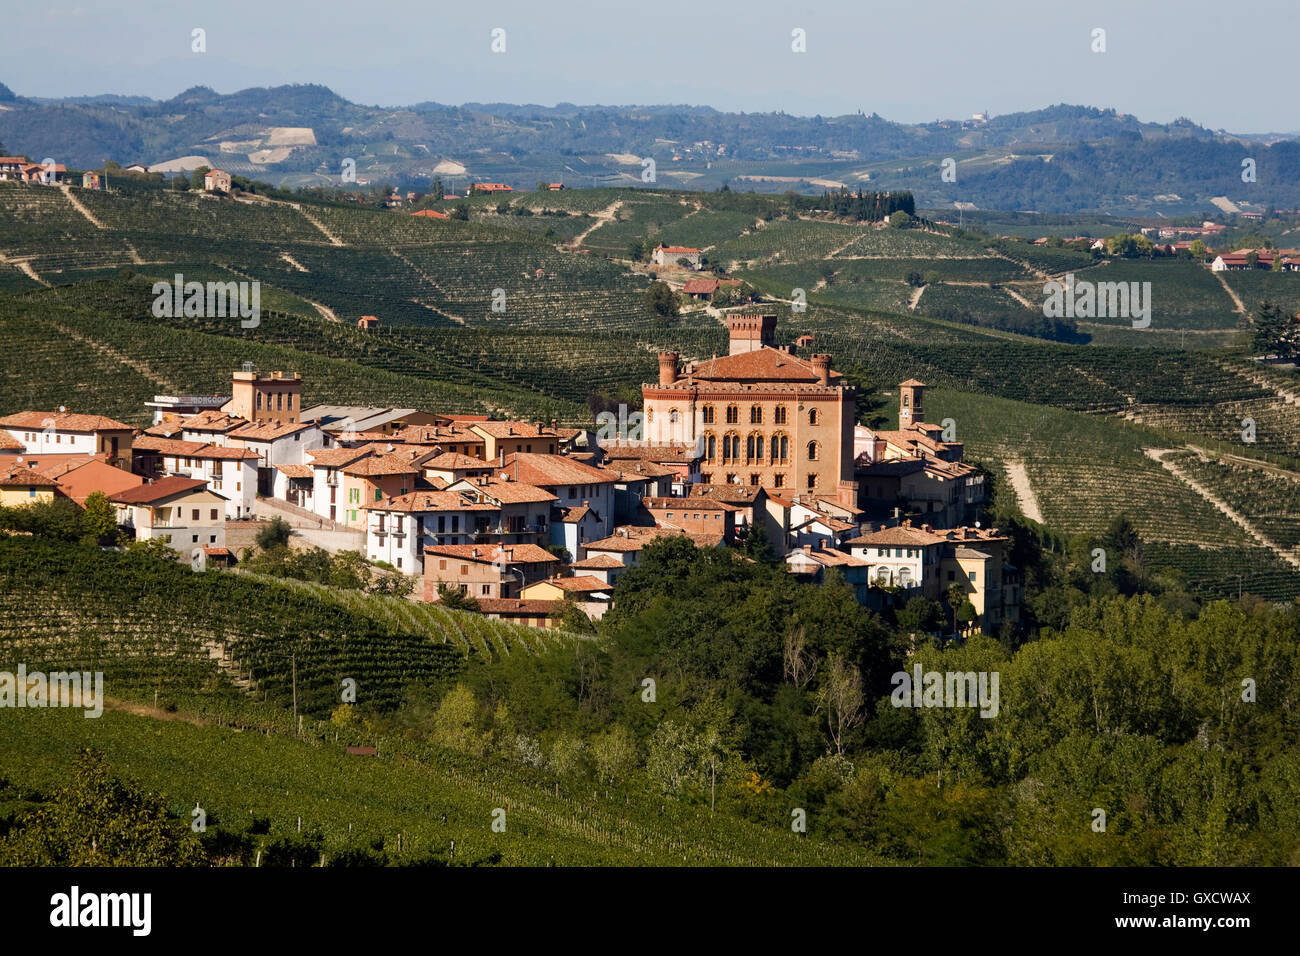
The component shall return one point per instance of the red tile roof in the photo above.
(522, 608)
(160, 490)
(507, 492)
(489, 553)
(426, 501)
(63, 421)
(548, 471)
(762, 365)
(25, 476)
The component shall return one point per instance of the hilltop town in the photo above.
(521, 518)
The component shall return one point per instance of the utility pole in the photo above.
(293, 664)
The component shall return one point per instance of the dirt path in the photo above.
(1019, 298)
(120, 358)
(135, 256)
(1158, 454)
(25, 267)
(605, 215)
(1019, 479)
(334, 240)
(1263, 381)
(293, 262)
(76, 204)
(155, 713)
(916, 298)
(1236, 299)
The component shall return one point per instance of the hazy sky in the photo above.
(907, 61)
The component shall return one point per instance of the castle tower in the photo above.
(265, 398)
(910, 395)
(667, 368)
(749, 333)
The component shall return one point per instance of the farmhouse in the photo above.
(180, 512)
(216, 181)
(672, 255)
(68, 433)
(485, 571)
(22, 483)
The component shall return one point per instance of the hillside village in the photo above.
(526, 517)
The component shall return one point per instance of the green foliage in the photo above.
(99, 820)
(275, 533)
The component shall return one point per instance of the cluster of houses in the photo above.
(21, 169)
(1286, 260)
(529, 518)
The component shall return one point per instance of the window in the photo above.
(730, 447)
(706, 415)
(442, 564)
(378, 495)
(259, 400)
(780, 449)
(573, 492)
(194, 539)
(672, 416)
(972, 575)
(731, 479)
(464, 569)
(194, 514)
(778, 480)
(733, 414)
(486, 589)
(756, 414)
(778, 415)
(212, 514)
(710, 448)
(813, 416)
(812, 482)
(397, 524)
(812, 451)
(399, 564)
(279, 401)
(753, 480)
(212, 539)
(949, 575)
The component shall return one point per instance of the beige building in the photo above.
(265, 398)
(760, 416)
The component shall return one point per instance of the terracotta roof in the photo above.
(160, 490)
(679, 249)
(455, 461)
(513, 429)
(732, 494)
(533, 608)
(375, 466)
(827, 558)
(571, 515)
(166, 446)
(24, 476)
(213, 420)
(294, 471)
(762, 365)
(641, 471)
(634, 538)
(421, 501)
(269, 431)
(597, 562)
(488, 553)
(79, 481)
(63, 421)
(431, 213)
(335, 457)
(217, 552)
(900, 536)
(585, 583)
(659, 454)
(506, 492)
(687, 504)
(165, 429)
(700, 286)
(911, 383)
(552, 470)
(10, 443)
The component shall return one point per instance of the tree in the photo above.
(661, 300)
(455, 599)
(840, 698)
(899, 219)
(275, 533)
(196, 177)
(1276, 331)
(460, 211)
(455, 724)
(956, 595)
(613, 754)
(100, 820)
(100, 519)
(1252, 259)
(1197, 250)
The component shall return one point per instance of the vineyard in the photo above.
(431, 803)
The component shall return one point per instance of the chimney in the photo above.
(667, 368)
(807, 549)
(822, 366)
(928, 529)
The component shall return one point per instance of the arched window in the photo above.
(904, 577)
(756, 414)
(710, 447)
(812, 482)
(882, 577)
(707, 415)
(780, 448)
(813, 416)
(778, 415)
(733, 415)
(672, 416)
(730, 447)
(812, 451)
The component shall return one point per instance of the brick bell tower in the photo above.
(910, 396)
(749, 333)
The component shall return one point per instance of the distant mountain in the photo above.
(1062, 158)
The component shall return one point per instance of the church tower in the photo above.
(910, 394)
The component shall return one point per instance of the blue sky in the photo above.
(907, 61)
